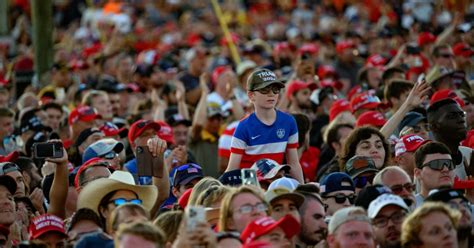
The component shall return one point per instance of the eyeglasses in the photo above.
(396, 218)
(247, 208)
(341, 198)
(361, 181)
(439, 164)
(398, 188)
(266, 90)
(120, 201)
(446, 55)
(110, 155)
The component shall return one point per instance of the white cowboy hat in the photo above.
(91, 195)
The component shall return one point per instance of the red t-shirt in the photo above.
(309, 163)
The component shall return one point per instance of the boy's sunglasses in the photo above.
(361, 181)
(341, 198)
(266, 90)
(439, 164)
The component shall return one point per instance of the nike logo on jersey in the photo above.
(254, 137)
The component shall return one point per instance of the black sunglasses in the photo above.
(439, 164)
(398, 188)
(361, 181)
(341, 198)
(266, 90)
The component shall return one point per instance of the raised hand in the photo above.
(156, 146)
(418, 94)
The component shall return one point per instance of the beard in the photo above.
(464, 232)
(304, 105)
(309, 238)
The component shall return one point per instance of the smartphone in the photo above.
(194, 215)
(48, 150)
(249, 177)
(147, 165)
(144, 158)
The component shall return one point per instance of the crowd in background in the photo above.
(355, 118)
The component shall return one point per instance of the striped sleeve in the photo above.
(293, 138)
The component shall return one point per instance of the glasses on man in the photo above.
(110, 155)
(396, 218)
(120, 201)
(248, 208)
(266, 90)
(398, 188)
(341, 198)
(361, 181)
(439, 164)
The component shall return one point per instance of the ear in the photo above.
(26, 177)
(104, 212)
(230, 224)
(417, 173)
(331, 240)
(175, 192)
(251, 95)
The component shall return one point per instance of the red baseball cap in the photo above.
(354, 91)
(165, 132)
(338, 107)
(110, 129)
(217, 72)
(83, 113)
(297, 85)
(408, 143)
(331, 83)
(376, 61)
(89, 163)
(11, 157)
(341, 46)
(326, 70)
(264, 225)
(46, 223)
(364, 100)
(463, 49)
(373, 118)
(445, 94)
(309, 48)
(425, 38)
(139, 126)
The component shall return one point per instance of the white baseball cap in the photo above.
(383, 201)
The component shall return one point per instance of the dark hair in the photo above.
(304, 125)
(6, 112)
(84, 214)
(437, 49)
(104, 202)
(395, 88)
(25, 164)
(52, 105)
(355, 137)
(429, 148)
(388, 73)
(307, 197)
(333, 133)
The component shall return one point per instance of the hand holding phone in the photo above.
(147, 164)
(194, 216)
(48, 150)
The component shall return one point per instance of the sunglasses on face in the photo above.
(446, 55)
(361, 181)
(439, 164)
(248, 208)
(341, 198)
(398, 188)
(396, 218)
(110, 155)
(120, 201)
(266, 90)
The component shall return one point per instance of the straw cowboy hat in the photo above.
(91, 195)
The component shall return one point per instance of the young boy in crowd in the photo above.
(268, 132)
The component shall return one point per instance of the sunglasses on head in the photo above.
(362, 181)
(266, 90)
(398, 188)
(120, 201)
(439, 164)
(341, 198)
(8, 167)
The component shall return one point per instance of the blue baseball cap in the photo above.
(186, 173)
(411, 119)
(334, 182)
(101, 148)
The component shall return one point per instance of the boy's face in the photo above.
(265, 98)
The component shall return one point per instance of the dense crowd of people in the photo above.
(307, 124)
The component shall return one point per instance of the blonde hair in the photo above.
(211, 195)
(201, 186)
(87, 99)
(411, 227)
(226, 211)
(144, 230)
(169, 222)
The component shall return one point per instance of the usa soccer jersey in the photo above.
(255, 140)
